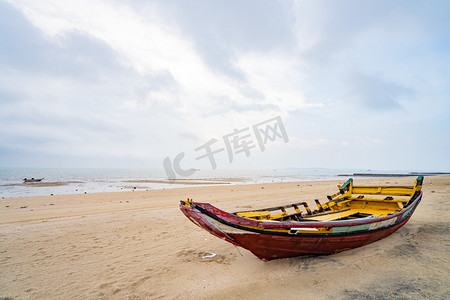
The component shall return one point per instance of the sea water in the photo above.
(59, 181)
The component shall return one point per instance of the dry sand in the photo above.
(138, 245)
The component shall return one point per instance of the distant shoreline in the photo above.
(396, 175)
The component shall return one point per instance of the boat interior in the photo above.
(351, 202)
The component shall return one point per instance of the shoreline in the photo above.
(126, 186)
(190, 185)
(388, 175)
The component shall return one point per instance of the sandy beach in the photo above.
(138, 245)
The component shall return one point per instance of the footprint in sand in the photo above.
(206, 256)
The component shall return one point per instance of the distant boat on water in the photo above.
(32, 180)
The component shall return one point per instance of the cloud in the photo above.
(376, 93)
(145, 80)
(188, 136)
(67, 95)
(76, 54)
(220, 31)
(380, 39)
(151, 45)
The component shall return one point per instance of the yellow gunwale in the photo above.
(349, 201)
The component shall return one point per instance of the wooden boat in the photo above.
(26, 180)
(351, 218)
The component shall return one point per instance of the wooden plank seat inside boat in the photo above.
(322, 216)
(256, 215)
(342, 214)
(265, 214)
(332, 216)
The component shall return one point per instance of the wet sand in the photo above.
(138, 245)
(185, 182)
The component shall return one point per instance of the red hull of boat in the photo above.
(268, 247)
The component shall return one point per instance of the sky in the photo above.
(125, 84)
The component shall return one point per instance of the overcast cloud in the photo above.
(358, 84)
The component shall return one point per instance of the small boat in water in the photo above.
(353, 217)
(26, 180)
